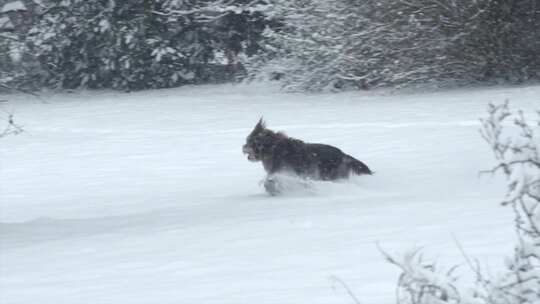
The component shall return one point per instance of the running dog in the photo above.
(281, 153)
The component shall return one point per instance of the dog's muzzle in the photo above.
(250, 153)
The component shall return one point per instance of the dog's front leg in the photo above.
(271, 185)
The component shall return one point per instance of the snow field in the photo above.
(146, 197)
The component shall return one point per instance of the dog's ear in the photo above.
(261, 125)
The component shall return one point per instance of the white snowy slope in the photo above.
(146, 197)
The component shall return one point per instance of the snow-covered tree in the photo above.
(307, 44)
(334, 44)
(140, 44)
(235, 27)
(118, 44)
(15, 19)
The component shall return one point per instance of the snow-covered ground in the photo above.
(146, 197)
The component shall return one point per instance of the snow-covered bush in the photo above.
(18, 69)
(424, 282)
(235, 29)
(6, 62)
(139, 44)
(517, 151)
(118, 44)
(519, 159)
(307, 44)
(364, 44)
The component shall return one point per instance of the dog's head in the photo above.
(259, 141)
(255, 142)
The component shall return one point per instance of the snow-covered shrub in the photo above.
(139, 44)
(519, 160)
(235, 29)
(6, 62)
(517, 150)
(423, 282)
(364, 44)
(118, 44)
(18, 69)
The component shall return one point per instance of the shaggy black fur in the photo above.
(280, 153)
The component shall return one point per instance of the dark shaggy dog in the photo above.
(280, 153)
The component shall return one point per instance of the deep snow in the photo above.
(146, 197)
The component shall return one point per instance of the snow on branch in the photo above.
(422, 282)
(214, 11)
(518, 152)
(13, 6)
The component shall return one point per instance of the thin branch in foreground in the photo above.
(335, 279)
(12, 128)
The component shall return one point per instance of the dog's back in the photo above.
(317, 161)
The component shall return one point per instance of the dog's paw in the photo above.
(272, 186)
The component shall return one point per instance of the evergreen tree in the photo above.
(142, 43)
(119, 44)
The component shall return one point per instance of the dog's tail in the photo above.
(358, 167)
